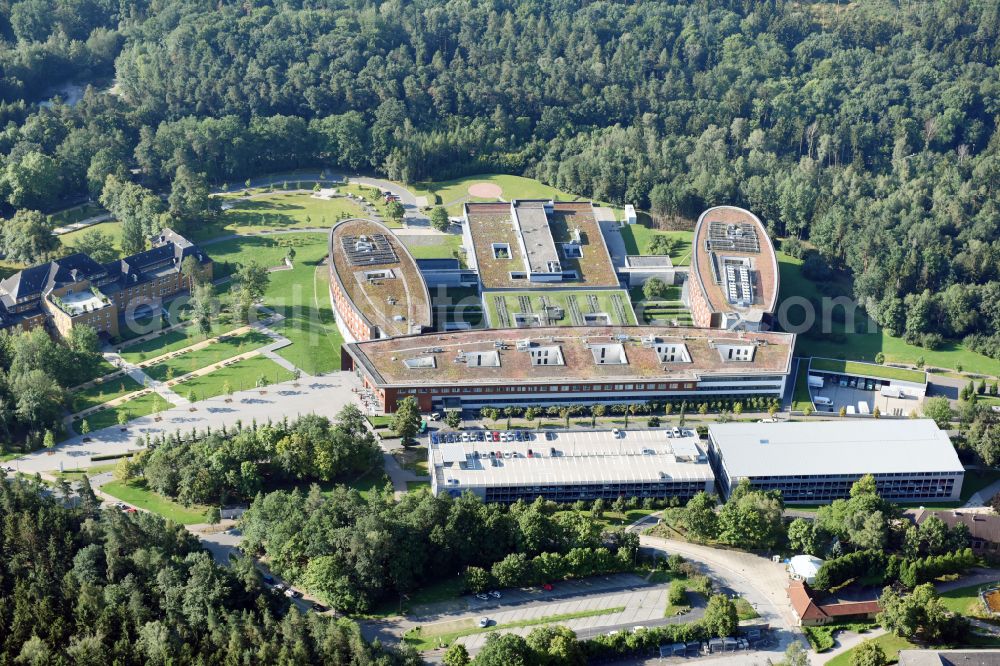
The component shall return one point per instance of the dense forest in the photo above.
(234, 465)
(356, 552)
(868, 129)
(85, 586)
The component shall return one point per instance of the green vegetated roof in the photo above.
(867, 370)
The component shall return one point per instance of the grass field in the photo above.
(371, 195)
(891, 645)
(99, 369)
(75, 214)
(453, 193)
(800, 397)
(205, 356)
(171, 341)
(102, 393)
(868, 370)
(241, 375)
(610, 519)
(637, 238)
(302, 295)
(442, 247)
(562, 299)
(142, 405)
(77, 474)
(444, 633)
(863, 346)
(136, 494)
(278, 210)
(965, 600)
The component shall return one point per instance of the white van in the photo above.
(823, 400)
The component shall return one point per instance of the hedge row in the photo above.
(891, 568)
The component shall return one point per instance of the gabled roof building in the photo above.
(76, 290)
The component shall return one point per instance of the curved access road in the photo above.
(759, 580)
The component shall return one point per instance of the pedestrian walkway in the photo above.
(164, 388)
(982, 497)
(82, 224)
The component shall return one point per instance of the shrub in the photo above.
(677, 596)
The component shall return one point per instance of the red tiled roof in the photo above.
(807, 609)
(802, 602)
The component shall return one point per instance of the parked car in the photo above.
(292, 593)
(484, 622)
(482, 596)
(268, 580)
(547, 587)
(319, 608)
(496, 436)
(495, 594)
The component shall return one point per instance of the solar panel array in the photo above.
(738, 285)
(735, 237)
(369, 250)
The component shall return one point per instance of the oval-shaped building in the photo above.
(375, 286)
(733, 281)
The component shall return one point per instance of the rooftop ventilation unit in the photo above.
(523, 345)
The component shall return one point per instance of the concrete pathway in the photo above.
(982, 497)
(399, 475)
(845, 640)
(82, 224)
(611, 231)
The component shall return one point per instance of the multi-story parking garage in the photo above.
(570, 466)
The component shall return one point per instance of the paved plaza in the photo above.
(324, 395)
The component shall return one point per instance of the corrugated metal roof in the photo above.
(834, 447)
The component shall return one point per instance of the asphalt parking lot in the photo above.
(528, 596)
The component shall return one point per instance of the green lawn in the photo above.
(965, 600)
(414, 486)
(891, 645)
(99, 369)
(278, 210)
(171, 341)
(443, 247)
(142, 405)
(864, 345)
(205, 356)
(868, 370)
(111, 228)
(136, 494)
(77, 474)
(637, 238)
(800, 396)
(563, 299)
(75, 214)
(453, 193)
(102, 393)
(372, 196)
(301, 294)
(614, 519)
(444, 633)
(240, 375)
